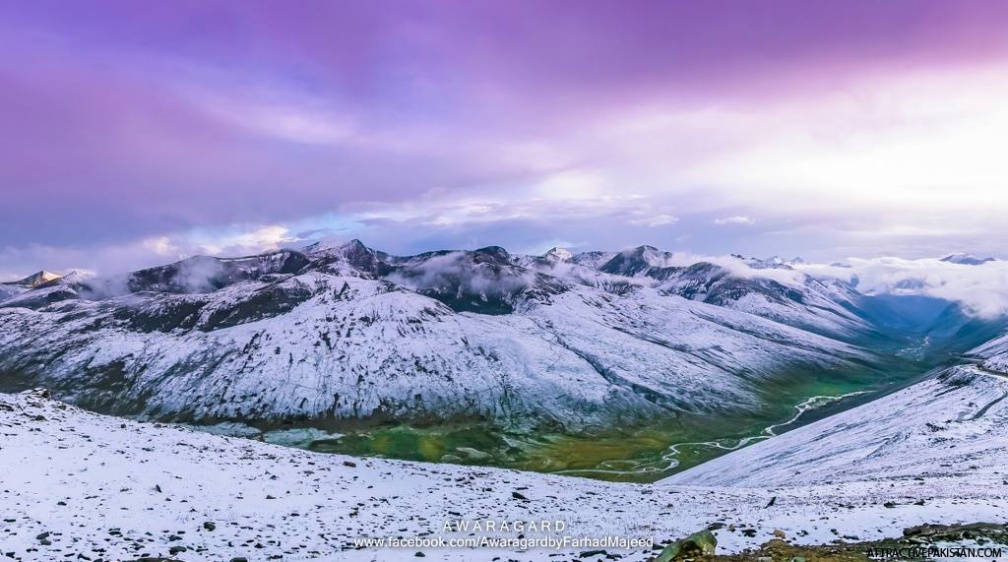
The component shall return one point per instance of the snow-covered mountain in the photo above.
(36, 280)
(11, 288)
(965, 259)
(345, 331)
(952, 423)
(767, 288)
(350, 332)
(8, 291)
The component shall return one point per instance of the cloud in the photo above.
(243, 242)
(454, 272)
(110, 259)
(653, 219)
(910, 147)
(737, 219)
(863, 131)
(983, 289)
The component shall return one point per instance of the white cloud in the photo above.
(643, 218)
(161, 246)
(921, 152)
(983, 289)
(738, 219)
(259, 239)
(915, 147)
(566, 195)
(155, 250)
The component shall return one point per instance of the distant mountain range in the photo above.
(966, 259)
(566, 340)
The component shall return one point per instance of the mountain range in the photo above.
(345, 336)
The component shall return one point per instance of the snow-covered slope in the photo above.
(8, 291)
(768, 288)
(12, 288)
(36, 279)
(349, 332)
(76, 483)
(949, 431)
(993, 355)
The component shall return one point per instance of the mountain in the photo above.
(36, 280)
(966, 259)
(347, 332)
(12, 288)
(8, 291)
(569, 342)
(949, 426)
(771, 288)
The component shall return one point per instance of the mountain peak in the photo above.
(37, 279)
(354, 245)
(559, 254)
(965, 259)
(332, 243)
(635, 260)
(494, 254)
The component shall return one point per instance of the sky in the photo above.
(133, 134)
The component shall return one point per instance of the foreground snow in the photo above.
(117, 490)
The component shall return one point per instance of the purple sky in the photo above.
(135, 133)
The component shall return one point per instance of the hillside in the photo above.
(78, 483)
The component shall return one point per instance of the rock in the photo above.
(474, 455)
(518, 496)
(42, 536)
(351, 464)
(419, 554)
(176, 549)
(239, 559)
(209, 525)
(698, 544)
(920, 531)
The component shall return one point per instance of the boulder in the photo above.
(698, 544)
